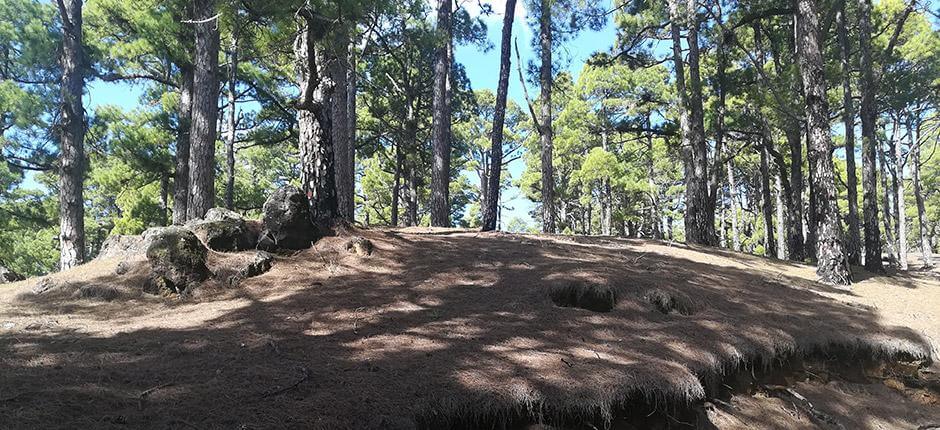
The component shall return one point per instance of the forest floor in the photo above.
(457, 329)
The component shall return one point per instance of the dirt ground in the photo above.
(443, 328)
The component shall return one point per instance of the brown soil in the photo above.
(442, 328)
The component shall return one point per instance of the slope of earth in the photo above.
(436, 328)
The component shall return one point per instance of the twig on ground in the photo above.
(303, 379)
(567, 362)
(638, 257)
(143, 394)
(148, 391)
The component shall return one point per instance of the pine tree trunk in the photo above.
(183, 124)
(732, 191)
(72, 138)
(351, 94)
(345, 175)
(205, 111)
(232, 124)
(925, 246)
(606, 197)
(832, 266)
(770, 244)
(901, 204)
(491, 209)
(396, 188)
(701, 210)
(314, 120)
(441, 135)
(545, 122)
(853, 241)
(796, 247)
(655, 210)
(867, 113)
(810, 232)
(699, 223)
(781, 239)
(413, 195)
(886, 197)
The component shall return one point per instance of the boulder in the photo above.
(287, 220)
(7, 275)
(224, 230)
(234, 269)
(222, 214)
(123, 246)
(177, 259)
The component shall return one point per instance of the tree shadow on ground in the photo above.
(439, 330)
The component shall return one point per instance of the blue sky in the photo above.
(483, 71)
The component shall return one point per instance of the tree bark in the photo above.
(886, 197)
(770, 244)
(796, 247)
(205, 111)
(832, 265)
(343, 146)
(810, 231)
(183, 124)
(869, 144)
(781, 240)
(699, 220)
(351, 94)
(491, 209)
(72, 138)
(545, 126)
(925, 247)
(853, 241)
(440, 128)
(396, 188)
(901, 205)
(732, 191)
(232, 123)
(314, 119)
(702, 212)
(655, 210)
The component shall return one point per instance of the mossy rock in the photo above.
(177, 259)
(287, 219)
(592, 297)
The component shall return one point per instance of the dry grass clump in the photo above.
(593, 297)
(667, 300)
